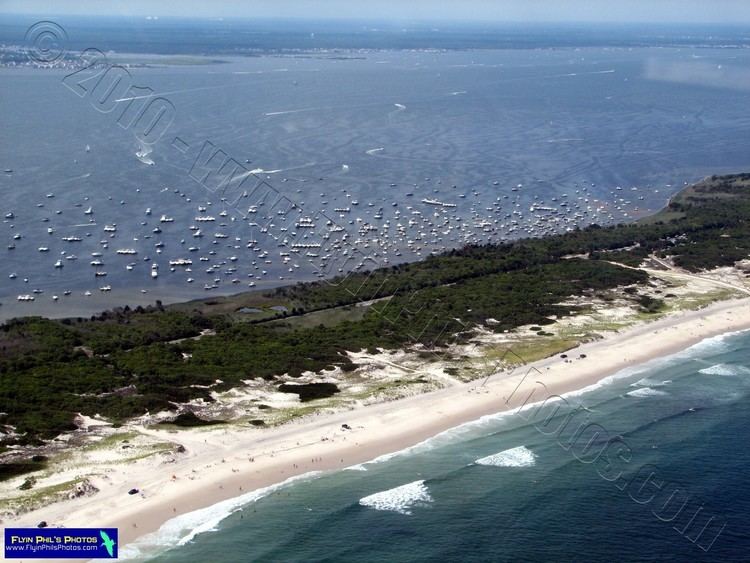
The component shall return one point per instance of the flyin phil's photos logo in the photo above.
(60, 543)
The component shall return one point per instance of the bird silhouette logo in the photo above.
(108, 543)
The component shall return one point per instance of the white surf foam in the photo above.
(185, 527)
(421, 446)
(358, 467)
(400, 499)
(725, 369)
(286, 112)
(713, 344)
(261, 171)
(514, 457)
(143, 153)
(646, 392)
(646, 382)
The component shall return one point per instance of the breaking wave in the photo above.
(514, 457)
(646, 392)
(184, 528)
(646, 382)
(725, 369)
(400, 499)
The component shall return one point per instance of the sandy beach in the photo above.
(224, 463)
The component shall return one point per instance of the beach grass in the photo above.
(693, 301)
(37, 498)
(108, 441)
(529, 350)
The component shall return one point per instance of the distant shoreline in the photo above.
(308, 35)
(78, 305)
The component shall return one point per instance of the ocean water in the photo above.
(648, 465)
